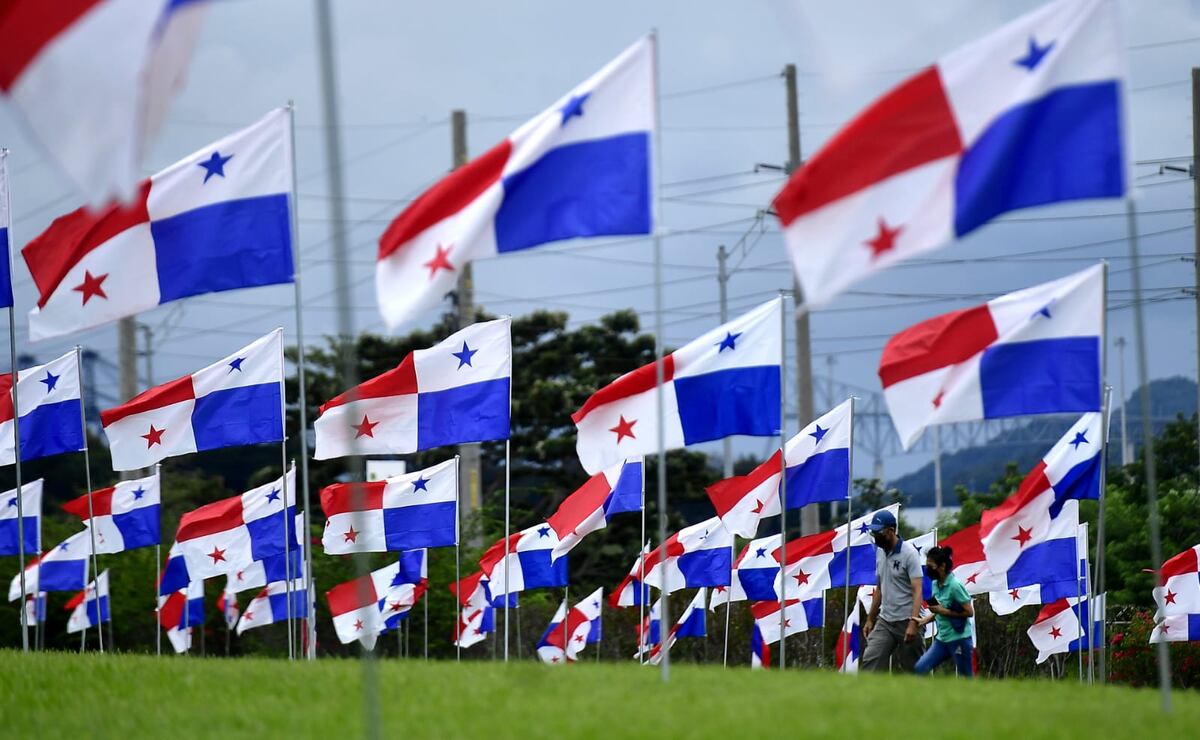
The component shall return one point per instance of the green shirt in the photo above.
(951, 594)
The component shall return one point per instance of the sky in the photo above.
(402, 67)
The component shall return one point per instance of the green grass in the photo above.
(68, 695)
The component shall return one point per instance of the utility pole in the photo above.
(469, 480)
(723, 287)
(127, 369)
(1126, 450)
(147, 352)
(810, 517)
(1195, 233)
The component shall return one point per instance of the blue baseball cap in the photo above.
(882, 520)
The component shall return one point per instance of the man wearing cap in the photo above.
(892, 628)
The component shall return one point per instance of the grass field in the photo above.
(66, 695)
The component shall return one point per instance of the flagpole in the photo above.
(87, 469)
(600, 627)
(665, 609)
(782, 485)
(640, 590)
(157, 605)
(12, 354)
(566, 618)
(287, 540)
(1079, 598)
(426, 600)
(507, 524)
(1101, 529)
(1139, 323)
(303, 390)
(849, 519)
(728, 604)
(457, 571)
(1091, 627)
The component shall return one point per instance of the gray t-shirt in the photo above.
(894, 572)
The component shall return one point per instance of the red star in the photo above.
(787, 623)
(1170, 597)
(365, 429)
(358, 625)
(971, 578)
(248, 616)
(396, 606)
(624, 429)
(1055, 632)
(884, 241)
(719, 589)
(801, 578)
(154, 437)
(1015, 594)
(554, 659)
(479, 630)
(1023, 535)
(439, 261)
(758, 507)
(351, 536)
(578, 638)
(937, 400)
(1165, 628)
(91, 286)
(217, 555)
(240, 573)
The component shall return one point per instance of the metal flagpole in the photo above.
(1139, 323)
(600, 627)
(426, 602)
(158, 573)
(849, 515)
(782, 483)
(728, 604)
(665, 608)
(287, 546)
(457, 570)
(12, 354)
(1079, 598)
(303, 389)
(1091, 626)
(641, 584)
(87, 468)
(507, 524)
(566, 614)
(1101, 533)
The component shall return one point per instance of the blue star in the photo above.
(729, 342)
(64, 546)
(12, 501)
(762, 552)
(464, 357)
(138, 493)
(543, 532)
(864, 528)
(574, 107)
(420, 484)
(1043, 311)
(50, 380)
(819, 434)
(1034, 56)
(236, 364)
(273, 495)
(214, 165)
(1079, 440)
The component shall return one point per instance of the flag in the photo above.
(93, 80)
(1050, 562)
(358, 606)
(1035, 351)
(90, 607)
(552, 653)
(218, 220)
(526, 561)
(399, 602)
(1062, 627)
(174, 576)
(760, 652)
(51, 412)
(237, 401)
(414, 510)
(580, 168)
(691, 624)
(817, 562)
(62, 568)
(124, 516)
(847, 651)
(227, 604)
(271, 605)
(1028, 115)
(649, 632)
(722, 384)
(6, 294)
(1177, 628)
(29, 531)
(476, 615)
(613, 491)
(230, 534)
(1178, 590)
(576, 628)
(754, 574)
(268, 570)
(632, 591)
(179, 612)
(695, 556)
(818, 469)
(35, 608)
(1050, 575)
(798, 616)
(457, 391)
(1071, 470)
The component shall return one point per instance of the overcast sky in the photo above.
(404, 66)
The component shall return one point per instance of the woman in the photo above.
(950, 605)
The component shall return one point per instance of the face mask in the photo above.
(930, 573)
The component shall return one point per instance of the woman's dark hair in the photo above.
(943, 556)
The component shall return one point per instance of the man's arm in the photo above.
(872, 613)
(914, 621)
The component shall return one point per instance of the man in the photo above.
(892, 627)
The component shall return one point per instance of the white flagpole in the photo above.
(507, 525)
(457, 571)
(728, 604)
(1101, 530)
(303, 388)
(158, 571)
(1082, 528)
(849, 518)
(87, 468)
(1091, 626)
(783, 482)
(287, 539)
(641, 584)
(12, 354)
